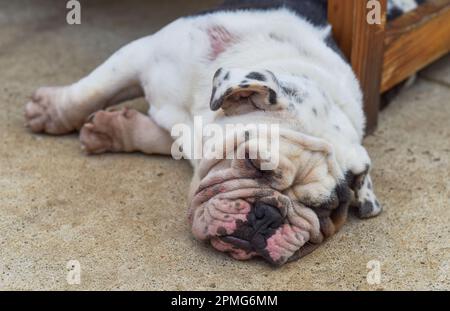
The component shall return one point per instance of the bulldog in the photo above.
(239, 64)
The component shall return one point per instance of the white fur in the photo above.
(176, 73)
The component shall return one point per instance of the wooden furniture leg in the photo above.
(363, 44)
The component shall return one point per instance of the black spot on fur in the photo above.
(276, 38)
(218, 72)
(244, 86)
(274, 78)
(343, 191)
(216, 104)
(214, 90)
(314, 110)
(256, 76)
(227, 76)
(272, 97)
(349, 178)
(366, 208)
(332, 213)
(289, 91)
(293, 93)
(212, 102)
(340, 195)
(355, 181)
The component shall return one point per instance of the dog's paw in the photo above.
(369, 208)
(43, 114)
(105, 132)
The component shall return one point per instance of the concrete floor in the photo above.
(123, 217)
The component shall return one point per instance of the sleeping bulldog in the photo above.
(275, 64)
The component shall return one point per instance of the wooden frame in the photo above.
(382, 55)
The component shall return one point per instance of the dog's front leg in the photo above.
(126, 130)
(365, 199)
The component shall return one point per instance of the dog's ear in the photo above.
(237, 90)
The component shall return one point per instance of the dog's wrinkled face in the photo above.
(280, 214)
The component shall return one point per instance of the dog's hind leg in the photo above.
(60, 110)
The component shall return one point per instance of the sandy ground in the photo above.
(123, 216)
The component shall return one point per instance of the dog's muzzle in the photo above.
(246, 221)
(251, 236)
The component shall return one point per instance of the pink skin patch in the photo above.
(220, 39)
(285, 242)
(219, 218)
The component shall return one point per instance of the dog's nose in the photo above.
(262, 222)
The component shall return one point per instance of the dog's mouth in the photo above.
(245, 217)
(251, 237)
